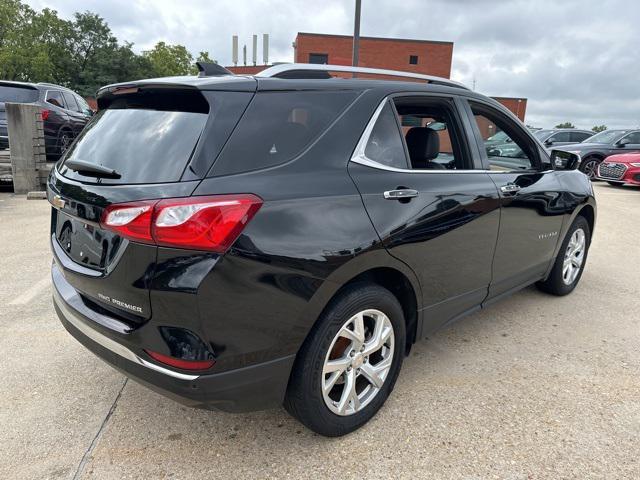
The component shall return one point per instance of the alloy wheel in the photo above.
(589, 168)
(358, 362)
(574, 257)
(65, 142)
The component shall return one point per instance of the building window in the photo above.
(319, 58)
(413, 59)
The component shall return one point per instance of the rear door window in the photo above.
(54, 97)
(577, 137)
(141, 138)
(17, 94)
(561, 137)
(278, 126)
(384, 145)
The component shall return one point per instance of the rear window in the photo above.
(142, 140)
(278, 126)
(18, 94)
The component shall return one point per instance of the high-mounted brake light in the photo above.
(200, 223)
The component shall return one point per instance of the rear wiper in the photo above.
(91, 169)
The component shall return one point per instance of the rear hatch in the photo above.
(14, 93)
(146, 143)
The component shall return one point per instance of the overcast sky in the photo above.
(574, 60)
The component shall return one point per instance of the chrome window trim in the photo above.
(63, 107)
(360, 157)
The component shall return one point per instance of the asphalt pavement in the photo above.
(532, 387)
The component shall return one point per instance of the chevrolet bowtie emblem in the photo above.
(58, 201)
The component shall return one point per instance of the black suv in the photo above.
(64, 113)
(240, 242)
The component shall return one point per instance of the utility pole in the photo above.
(356, 35)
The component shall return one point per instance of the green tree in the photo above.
(565, 125)
(99, 59)
(169, 60)
(599, 128)
(202, 57)
(34, 45)
(81, 53)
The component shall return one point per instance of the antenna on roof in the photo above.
(207, 69)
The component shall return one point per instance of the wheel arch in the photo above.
(599, 156)
(389, 273)
(589, 213)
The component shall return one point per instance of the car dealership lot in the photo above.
(532, 387)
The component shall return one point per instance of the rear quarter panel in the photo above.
(311, 235)
(577, 194)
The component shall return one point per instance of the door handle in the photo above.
(510, 188)
(400, 194)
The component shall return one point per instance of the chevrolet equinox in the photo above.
(244, 242)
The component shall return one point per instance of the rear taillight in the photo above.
(201, 223)
(130, 220)
(45, 114)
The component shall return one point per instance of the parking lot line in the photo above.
(32, 292)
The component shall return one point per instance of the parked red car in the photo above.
(620, 169)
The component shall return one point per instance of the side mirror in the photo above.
(622, 142)
(548, 143)
(561, 160)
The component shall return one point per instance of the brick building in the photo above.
(427, 57)
(420, 56)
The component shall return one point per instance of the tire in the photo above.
(589, 166)
(337, 413)
(561, 281)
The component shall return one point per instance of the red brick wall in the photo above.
(247, 69)
(434, 58)
(92, 103)
(517, 105)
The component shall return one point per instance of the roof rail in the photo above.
(309, 70)
(47, 84)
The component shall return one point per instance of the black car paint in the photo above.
(255, 305)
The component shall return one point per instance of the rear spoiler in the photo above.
(209, 69)
(6, 83)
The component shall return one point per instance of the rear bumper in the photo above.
(256, 387)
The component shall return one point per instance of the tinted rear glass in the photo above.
(278, 126)
(143, 146)
(18, 94)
